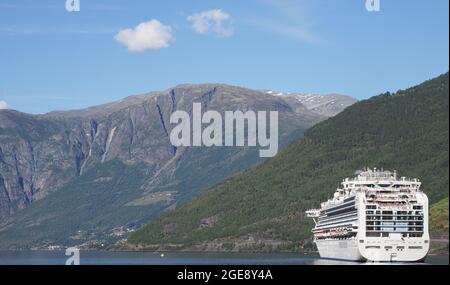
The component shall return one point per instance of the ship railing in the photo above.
(404, 197)
(396, 207)
(380, 179)
(391, 201)
(388, 197)
(393, 190)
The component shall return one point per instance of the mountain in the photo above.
(93, 175)
(263, 208)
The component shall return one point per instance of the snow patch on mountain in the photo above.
(324, 104)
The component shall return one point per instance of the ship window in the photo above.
(414, 247)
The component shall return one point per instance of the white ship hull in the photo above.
(339, 249)
(395, 251)
(383, 251)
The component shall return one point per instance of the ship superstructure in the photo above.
(375, 216)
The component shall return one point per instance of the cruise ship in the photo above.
(375, 216)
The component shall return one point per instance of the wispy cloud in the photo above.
(293, 31)
(29, 5)
(288, 18)
(39, 96)
(147, 35)
(86, 6)
(291, 10)
(44, 31)
(216, 21)
(108, 7)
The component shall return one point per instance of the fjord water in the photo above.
(183, 258)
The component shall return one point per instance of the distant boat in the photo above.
(374, 217)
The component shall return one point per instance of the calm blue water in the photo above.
(151, 258)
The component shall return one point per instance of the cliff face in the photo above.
(41, 154)
(34, 159)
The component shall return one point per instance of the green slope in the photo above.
(263, 207)
(439, 227)
(439, 218)
(82, 210)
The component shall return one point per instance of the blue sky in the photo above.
(52, 59)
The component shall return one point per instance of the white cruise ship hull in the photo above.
(339, 249)
(395, 251)
(387, 251)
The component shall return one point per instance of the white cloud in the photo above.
(3, 105)
(147, 35)
(212, 20)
